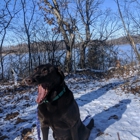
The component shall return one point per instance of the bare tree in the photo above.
(7, 13)
(58, 15)
(97, 27)
(107, 27)
(88, 10)
(27, 20)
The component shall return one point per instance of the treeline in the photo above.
(42, 46)
(125, 40)
(22, 48)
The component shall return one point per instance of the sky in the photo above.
(110, 4)
(107, 4)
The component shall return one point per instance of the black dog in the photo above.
(57, 107)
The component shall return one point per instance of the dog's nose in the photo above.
(28, 80)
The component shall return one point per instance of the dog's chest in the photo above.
(53, 119)
(59, 119)
(50, 114)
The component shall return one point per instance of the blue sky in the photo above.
(107, 4)
(110, 4)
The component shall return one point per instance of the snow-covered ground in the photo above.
(116, 112)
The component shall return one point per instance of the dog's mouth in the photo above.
(42, 93)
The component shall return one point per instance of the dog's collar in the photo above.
(57, 97)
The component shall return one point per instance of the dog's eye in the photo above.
(44, 71)
(35, 70)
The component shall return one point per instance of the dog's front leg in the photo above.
(74, 132)
(45, 132)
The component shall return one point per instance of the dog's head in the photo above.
(47, 77)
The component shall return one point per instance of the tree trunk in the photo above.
(68, 59)
(1, 59)
(86, 21)
(82, 56)
(2, 69)
(29, 53)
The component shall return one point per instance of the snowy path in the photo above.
(113, 111)
(116, 114)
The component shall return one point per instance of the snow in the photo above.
(116, 112)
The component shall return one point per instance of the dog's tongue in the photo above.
(41, 94)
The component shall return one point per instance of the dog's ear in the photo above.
(60, 72)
